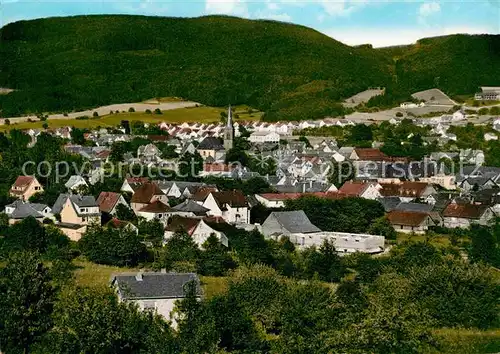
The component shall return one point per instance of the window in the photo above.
(149, 306)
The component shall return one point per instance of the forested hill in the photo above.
(288, 71)
(457, 64)
(76, 62)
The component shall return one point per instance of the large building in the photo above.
(488, 94)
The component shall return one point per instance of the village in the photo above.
(418, 197)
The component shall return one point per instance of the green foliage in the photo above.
(215, 260)
(382, 226)
(94, 321)
(119, 247)
(181, 248)
(340, 172)
(485, 245)
(190, 165)
(26, 302)
(347, 215)
(275, 81)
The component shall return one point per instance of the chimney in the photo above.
(138, 276)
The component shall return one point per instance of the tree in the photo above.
(361, 135)
(6, 121)
(26, 303)
(158, 111)
(399, 114)
(485, 245)
(326, 263)
(92, 320)
(181, 247)
(124, 213)
(120, 247)
(28, 234)
(383, 227)
(151, 231)
(214, 260)
(95, 114)
(131, 109)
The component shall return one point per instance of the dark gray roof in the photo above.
(211, 143)
(418, 207)
(83, 200)
(191, 206)
(294, 221)
(389, 203)
(58, 205)
(154, 285)
(24, 210)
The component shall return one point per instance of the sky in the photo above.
(380, 23)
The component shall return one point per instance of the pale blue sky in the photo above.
(381, 22)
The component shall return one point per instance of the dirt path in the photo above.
(104, 110)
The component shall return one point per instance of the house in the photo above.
(210, 147)
(368, 154)
(410, 221)
(464, 215)
(472, 157)
(198, 228)
(217, 169)
(148, 152)
(287, 223)
(130, 184)
(261, 137)
(25, 186)
(75, 182)
(360, 189)
(146, 194)
(190, 208)
(76, 212)
(232, 206)
(154, 291)
(155, 210)
(409, 191)
(490, 136)
(109, 201)
(122, 225)
(19, 210)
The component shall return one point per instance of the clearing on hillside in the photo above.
(434, 97)
(363, 97)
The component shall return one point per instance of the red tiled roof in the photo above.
(146, 192)
(370, 154)
(156, 207)
(23, 181)
(403, 189)
(202, 193)
(351, 188)
(107, 201)
(466, 211)
(118, 224)
(180, 223)
(407, 218)
(137, 179)
(217, 167)
(104, 154)
(234, 198)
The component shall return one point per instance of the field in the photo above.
(194, 114)
(91, 274)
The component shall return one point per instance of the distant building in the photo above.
(488, 94)
(410, 221)
(264, 137)
(154, 292)
(25, 186)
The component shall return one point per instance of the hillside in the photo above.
(456, 64)
(289, 71)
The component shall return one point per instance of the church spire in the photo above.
(229, 123)
(229, 131)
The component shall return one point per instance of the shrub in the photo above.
(148, 111)
(95, 114)
(131, 109)
(158, 111)
(7, 122)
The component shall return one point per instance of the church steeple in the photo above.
(229, 131)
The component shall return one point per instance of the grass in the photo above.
(194, 114)
(437, 240)
(466, 341)
(90, 275)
